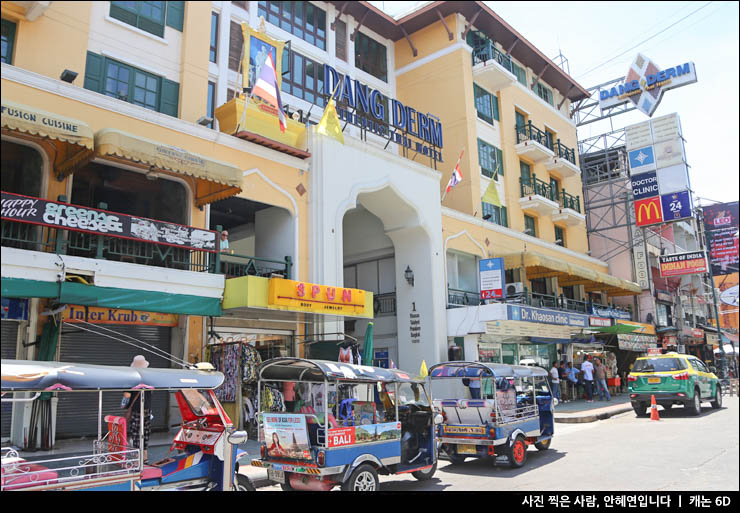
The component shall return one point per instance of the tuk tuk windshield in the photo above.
(408, 393)
(199, 402)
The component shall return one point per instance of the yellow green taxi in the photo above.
(673, 379)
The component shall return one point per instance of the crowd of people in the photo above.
(570, 383)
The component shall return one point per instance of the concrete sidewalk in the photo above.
(576, 412)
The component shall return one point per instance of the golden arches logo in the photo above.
(646, 208)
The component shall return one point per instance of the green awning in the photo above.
(616, 329)
(89, 295)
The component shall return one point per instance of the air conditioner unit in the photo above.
(513, 289)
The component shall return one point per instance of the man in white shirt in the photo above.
(588, 377)
(555, 379)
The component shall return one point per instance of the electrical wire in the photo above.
(642, 42)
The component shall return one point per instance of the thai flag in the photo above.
(456, 177)
(267, 89)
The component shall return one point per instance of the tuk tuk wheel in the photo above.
(423, 475)
(543, 445)
(243, 484)
(456, 459)
(518, 452)
(363, 479)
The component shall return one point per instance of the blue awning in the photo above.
(542, 340)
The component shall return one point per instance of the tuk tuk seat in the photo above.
(25, 475)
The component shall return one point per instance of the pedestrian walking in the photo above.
(600, 380)
(555, 379)
(572, 380)
(133, 411)
(588, 378)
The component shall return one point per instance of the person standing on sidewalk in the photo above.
(600, 379)
(555, 379)
(588, 378)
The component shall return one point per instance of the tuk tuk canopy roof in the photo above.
(482, 369)
(35, 376)
(300, 369)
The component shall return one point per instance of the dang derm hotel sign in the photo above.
(645, 84)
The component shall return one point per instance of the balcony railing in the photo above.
(529, 132)
(460, 298)
(487, 52)
(569, 201)
(384, 304)
(194, 256)
(536, 187)
(564, 152)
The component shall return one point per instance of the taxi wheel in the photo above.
(695, 405)
(423, 475)
(543, 445)
(518, 452)
(286, 486)
(640, 410)
(363, 479)
(243, 484)
(717, 403)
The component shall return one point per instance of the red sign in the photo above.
(599, 321)
(341, 436)
(648, 211)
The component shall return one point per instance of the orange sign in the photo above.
(648, 211)
(98, 315)
(647, 329)
(310, 297)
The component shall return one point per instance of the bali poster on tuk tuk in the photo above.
(286, 436)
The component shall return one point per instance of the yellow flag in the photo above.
(423, 372)
(491, 194)
(329, 124)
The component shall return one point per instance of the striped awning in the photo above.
(568, 274)
(216, 180)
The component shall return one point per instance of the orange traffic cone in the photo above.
(653, 409)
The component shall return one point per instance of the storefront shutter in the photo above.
(77, 413)
(170, 97)
(9, 334)
(175, 15)
(94, 72)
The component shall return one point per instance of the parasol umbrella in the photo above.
(367, 348)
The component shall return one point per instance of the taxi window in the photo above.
(659, 365)
(699, 365)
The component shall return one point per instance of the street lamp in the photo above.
(409, 275)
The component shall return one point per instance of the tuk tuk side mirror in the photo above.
(438, 419)
(238, 437)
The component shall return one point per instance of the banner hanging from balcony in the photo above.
(54, 214)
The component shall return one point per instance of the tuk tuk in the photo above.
(205, 455)
(505, 409)
(347, 424)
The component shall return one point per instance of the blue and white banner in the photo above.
(612, 313)
(544, 316)
(676, 206)
(642, 159)
(645, 185)
(492, 280)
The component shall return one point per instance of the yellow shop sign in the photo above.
(99, 315)
(310, 297)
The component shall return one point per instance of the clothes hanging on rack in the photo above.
(225, 358)
(250, 360)
(272, 400)
(345, 354)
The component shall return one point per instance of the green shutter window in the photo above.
(170, 97)
(8, 43)
(175, 15)
(526, 172)
(148, 16)
(545, 93)
(559, 236)
(504, 217)
(94, 72)
(521, 73)
(499, 161)
(483, 104)
(529, 226)
(494, 99)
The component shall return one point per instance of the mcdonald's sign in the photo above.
(648, 211)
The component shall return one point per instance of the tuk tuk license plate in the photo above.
(466, 449)
(276, 475)
(653, 380)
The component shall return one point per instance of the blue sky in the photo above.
(591, 33)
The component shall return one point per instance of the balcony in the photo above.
(119, 261)
(563, 163)
(533, 143)
(569, 211)
(491, 67)
(538, 197)
(458, 298)
(384, 305)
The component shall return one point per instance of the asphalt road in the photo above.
(624, 453)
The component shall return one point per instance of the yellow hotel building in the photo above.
(131, 111)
